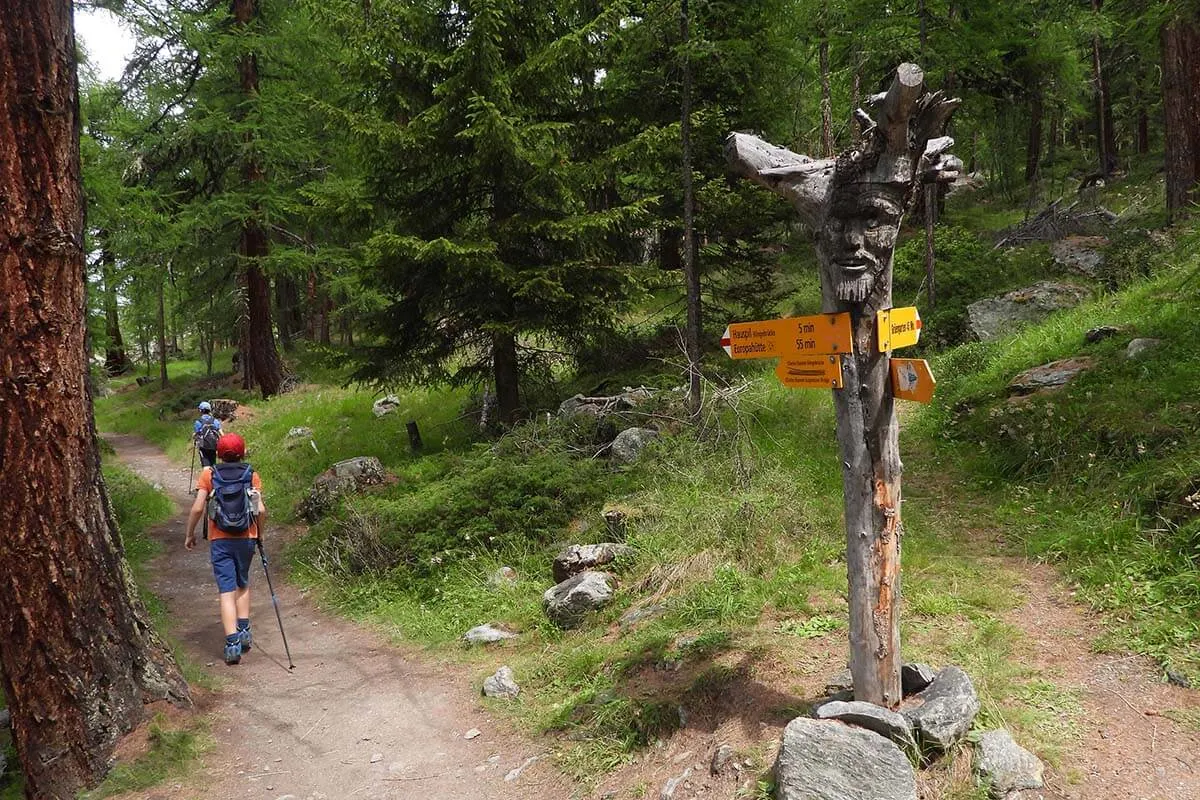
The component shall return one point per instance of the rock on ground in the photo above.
(503, 684)
(915, 677)
(385, 405)
(1100, 333)
(827, 760)
(628, 445)
(1139, 347)
(343, 478)
(1048, 377)
(672, 785)
(1008, 766)
(999, 316)
(602, 406)
(942, 714)
(722, 759)
(1083, 254)
(578, 558)
(873, 718)
(486, 634)
(505, 576)
(569, 602)
(640, 614)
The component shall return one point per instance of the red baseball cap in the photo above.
(231, 447)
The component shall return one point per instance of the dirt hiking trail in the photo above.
(354, 720)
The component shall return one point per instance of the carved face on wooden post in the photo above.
(854, 203)
(858, 237)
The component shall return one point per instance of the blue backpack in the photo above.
(209, 433)
(230, 505)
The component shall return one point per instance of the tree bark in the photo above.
(1033, 149)
(116, 360)
(282, 320)
(1103, 115)
(690, 269)
(826, 101)
(1180, 41)
(261, 354)
(78, 656)
(162, 333)
(507, 376)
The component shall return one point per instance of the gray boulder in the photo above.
(840, 683)
(1100, 333)
(502, 684)
(486, 634)
(1139, 347)
(1083, 254)
(722, 759)
(505, 576)
(915, 677)
(628, 445)
(640, 614)
(826, 760)
(1006, 765)
(1000, 316)
(603, 406)
(343, 478)
(385, 405)
(874, 718)
(569, 602)
(942, 714)
(577, 558)
(297, 437)
(143, 380)
(1049, 377)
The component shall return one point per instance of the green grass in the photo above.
(173, 753)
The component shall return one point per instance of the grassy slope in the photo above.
(740, 534)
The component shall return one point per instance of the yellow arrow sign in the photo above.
(810, 372)
(912, 379)
(776, 338)
(897, 327)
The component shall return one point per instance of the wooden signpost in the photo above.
(812, 335)
(854, 204)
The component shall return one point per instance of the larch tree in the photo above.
(79, 657)
(1180, 36)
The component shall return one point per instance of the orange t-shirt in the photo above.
(204, 484)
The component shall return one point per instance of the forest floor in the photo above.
(361, 718)
(356, 718)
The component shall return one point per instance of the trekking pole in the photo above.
(262, 552)
(192, 470)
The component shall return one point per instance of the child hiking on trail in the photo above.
(231, 494)
(205, 433)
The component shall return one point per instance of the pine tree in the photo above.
(489, 244)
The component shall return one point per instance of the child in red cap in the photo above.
(231, 494)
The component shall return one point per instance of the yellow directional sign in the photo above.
(912, 379)
(897, 327)
(810, 372)
(817, 334)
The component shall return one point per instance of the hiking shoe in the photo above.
(233, 653)
(245, 639)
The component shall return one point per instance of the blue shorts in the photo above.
(231, 562)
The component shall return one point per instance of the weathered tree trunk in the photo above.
(162, 334)
(1103, 115)
(260, 355)
(690, 269)
(282, 319)
(1180, 40)
(826, 100)
(116, 361)
(506, 373)
(855, 204)
(1033, 148)
(78, 656)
